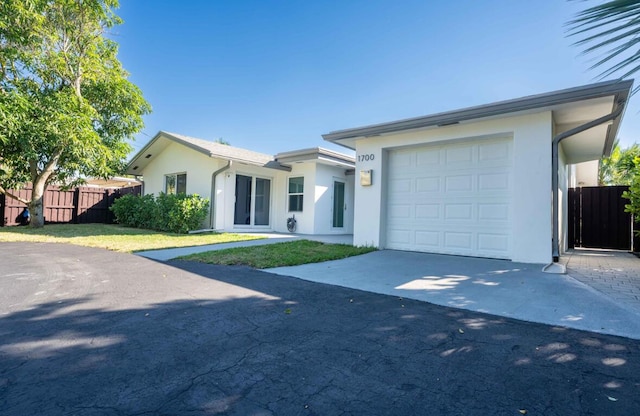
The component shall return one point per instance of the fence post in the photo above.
(2, 211)
(76, 206)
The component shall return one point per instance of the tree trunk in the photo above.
(36, 206)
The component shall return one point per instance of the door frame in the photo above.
(252, 209)
(333, 203)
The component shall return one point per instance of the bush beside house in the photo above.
(174, 213)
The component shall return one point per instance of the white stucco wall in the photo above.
(304, 219)
(316, 216)
(584, 174)
(325, 177)
(314, 219)
(226, 185)
(531, 216)
(563, 200)
(180, 159)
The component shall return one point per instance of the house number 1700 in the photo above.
(365, 158)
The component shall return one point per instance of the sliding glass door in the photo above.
(253, 201)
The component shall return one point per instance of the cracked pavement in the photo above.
(90, 332)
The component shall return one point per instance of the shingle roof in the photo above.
(211, 149)
(222, 150)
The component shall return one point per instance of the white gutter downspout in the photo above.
(555, 267)
(212, 217)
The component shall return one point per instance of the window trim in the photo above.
(298, 194)
(175, 176)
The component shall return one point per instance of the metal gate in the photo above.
(597, 218)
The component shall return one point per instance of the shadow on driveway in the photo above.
(500, 287)
(101, 333)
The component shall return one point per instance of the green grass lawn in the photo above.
(291, 253)
(115, 237)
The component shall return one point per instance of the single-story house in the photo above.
(485, 181)
(251, 191)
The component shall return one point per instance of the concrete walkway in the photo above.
(600, 293)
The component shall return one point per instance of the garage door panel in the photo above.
(458, 183)
(400, 237)
(428, 184)
(427, 239)
(493, 181)
(428, 158)
(400, 159)
(452, 199)
(427, 211)
(458, 240)
(493, 153)
(459, 155)
(458, 212)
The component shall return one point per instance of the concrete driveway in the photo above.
(499, 287)
(91, 332)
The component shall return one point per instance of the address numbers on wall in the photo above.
(366, 157)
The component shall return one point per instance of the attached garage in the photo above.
(451, 199)
(485, 181)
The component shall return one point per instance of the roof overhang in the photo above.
(317, 155)
(112, 182)
(570, 107)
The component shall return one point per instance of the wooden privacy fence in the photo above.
(597, 219)
(80, 205)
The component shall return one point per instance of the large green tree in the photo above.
(67, 108)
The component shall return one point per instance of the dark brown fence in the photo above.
(597, 218)
(80, 205)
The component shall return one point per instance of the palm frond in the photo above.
(612, 28)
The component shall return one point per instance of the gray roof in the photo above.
(316, 153)
(223, 151)
(208, 148)
(618, 88)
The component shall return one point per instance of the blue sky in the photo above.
(273, 76)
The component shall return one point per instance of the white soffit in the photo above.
(589, 144)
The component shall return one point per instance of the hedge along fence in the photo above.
(175, 213)
(81, 205)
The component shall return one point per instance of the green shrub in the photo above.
(175, 213)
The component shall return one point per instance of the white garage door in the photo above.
(452, 199)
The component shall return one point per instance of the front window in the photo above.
(296, 194)
(176, 184)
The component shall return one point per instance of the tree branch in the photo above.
(10, 195)
(51, 164)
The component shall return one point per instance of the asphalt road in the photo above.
(90, 332)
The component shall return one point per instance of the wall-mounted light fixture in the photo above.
(365, 177)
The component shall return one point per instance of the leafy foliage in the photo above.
(633, 194)
(619, 168)
(612, 28)
(66, 106)
(175, 213)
